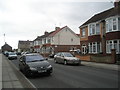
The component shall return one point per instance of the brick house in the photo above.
(61, 39)
(100, 34)
(6, 47)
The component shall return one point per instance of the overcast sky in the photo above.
(27, 19)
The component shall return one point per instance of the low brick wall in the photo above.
(83, 57)
(102, 58)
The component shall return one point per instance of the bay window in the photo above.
(112, 24)
(113, 44)
(119, 23)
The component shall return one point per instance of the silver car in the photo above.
(66, 58)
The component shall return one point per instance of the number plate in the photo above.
(41, 71)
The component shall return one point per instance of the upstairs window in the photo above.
(83, 33)
(119, 23)
(112, 24)
(94, 29)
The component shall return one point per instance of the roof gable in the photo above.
(56, 31)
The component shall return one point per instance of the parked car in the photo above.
(66, 58)
(12, 55)
(6, 53)
(34, 64)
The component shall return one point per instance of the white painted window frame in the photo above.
(90, 30)
(108, 22)
(91, 49)
(108, 50)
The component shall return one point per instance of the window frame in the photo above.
(110, 44)
(83, 30)
(90, 29)
(93, 47)
(110, 23)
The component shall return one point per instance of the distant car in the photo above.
(12, 55)
(34, 64)
(6, 53)
(18, 53)
(66, 58)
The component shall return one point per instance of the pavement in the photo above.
(102, 65)
(11, 77)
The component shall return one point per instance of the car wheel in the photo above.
(65, 62)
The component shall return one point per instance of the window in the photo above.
(113, 44)
(94, 47)
(112, 24)
(119, 23)
(83, 33)
(90, 47)
(94, 29)
(98, 47)
(49, 40)
(97, 28)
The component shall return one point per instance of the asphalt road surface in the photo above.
(68, 76)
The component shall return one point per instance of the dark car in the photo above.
(66, 58)
(32, 64)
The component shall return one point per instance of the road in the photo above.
(67, 76)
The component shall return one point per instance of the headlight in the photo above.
(49, 66)
(33, 69)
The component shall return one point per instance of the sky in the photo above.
(27, 19)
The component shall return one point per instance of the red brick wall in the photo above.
(113, 35)
(94, 38)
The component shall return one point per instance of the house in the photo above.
(39, 41)
(100, 34)
(6, 47)
(24, 46)
(61, 39)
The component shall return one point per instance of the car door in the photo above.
(62, 58)
(22, 63)
(58, 57)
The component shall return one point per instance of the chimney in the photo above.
(46, 32)
(117, 3)
(56, 28)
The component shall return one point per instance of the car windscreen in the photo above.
(34, 58)
(12, 53)
(67, 54)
